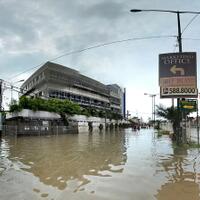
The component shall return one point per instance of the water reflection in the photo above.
(101, 166)
(183, 177)
(4, 148)
(56, 160)
(4, 153)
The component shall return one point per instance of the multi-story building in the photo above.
(116, 98)
(56, 81)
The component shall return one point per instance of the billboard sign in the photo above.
(178, 75)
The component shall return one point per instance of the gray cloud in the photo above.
(46, 29)
(111, 10)
(33, 31)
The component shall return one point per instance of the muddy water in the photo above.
(117, 165)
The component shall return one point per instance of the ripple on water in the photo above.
(110, 165)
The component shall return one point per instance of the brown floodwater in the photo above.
(114, 165)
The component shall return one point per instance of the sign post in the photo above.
(177, 75)
(178, 79)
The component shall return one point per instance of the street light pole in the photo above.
(154, 108)
(179, 37)
(170, 11)
(179, 32)
(178, 99)
(153, 114)
(167, 11)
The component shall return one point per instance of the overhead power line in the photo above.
(94, 47)
(176, 45)
(184, 29)
(191, 38)
(190, 22)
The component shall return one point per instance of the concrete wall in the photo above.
(166, 126)
(32, 114)
(82, 122)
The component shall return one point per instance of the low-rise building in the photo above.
(57, 81)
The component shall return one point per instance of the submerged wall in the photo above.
(43, 122)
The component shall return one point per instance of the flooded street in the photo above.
(114, 165)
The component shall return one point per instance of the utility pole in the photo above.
(180, 133)
(179, 32)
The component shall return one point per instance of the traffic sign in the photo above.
(188, 105)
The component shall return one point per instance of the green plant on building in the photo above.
(61, 107)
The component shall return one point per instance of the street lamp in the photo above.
(178, 23)
(179, 38)
(170, 11)
(153, 106)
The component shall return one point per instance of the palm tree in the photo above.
(173, 115)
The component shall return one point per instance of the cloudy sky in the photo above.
(33, 32)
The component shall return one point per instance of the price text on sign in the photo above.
(179, 91)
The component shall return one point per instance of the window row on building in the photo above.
(34, 82)
(82, 100)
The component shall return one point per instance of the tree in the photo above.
(15, 107)
(51, 105)
(173, 115)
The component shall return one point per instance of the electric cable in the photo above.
(191, 38)
(93, 47)
(190, 23)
